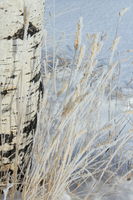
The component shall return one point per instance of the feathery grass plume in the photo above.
(77, 40)
(120, 15)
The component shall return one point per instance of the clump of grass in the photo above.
(73, 145)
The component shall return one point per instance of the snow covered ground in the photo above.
(101, 191)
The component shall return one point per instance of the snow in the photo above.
(98, 16)
(100, 191)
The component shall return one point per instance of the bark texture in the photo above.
(20, 83)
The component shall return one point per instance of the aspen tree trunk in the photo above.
(21, 24)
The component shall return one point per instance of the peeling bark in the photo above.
(21, 89)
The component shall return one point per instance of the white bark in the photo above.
(20, 84)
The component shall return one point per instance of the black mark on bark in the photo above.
(20, 33)
(35, 47)
(34, 57)
(5, 92)
(13, 76)
(10, 154)
(41, 88)
(36, 78)
(41, 92)
(6, 138)
(32, 29)
(31, 127)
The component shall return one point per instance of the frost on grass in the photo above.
(81, 148)
(80, 138)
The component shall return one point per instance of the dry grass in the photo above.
(73, 144)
